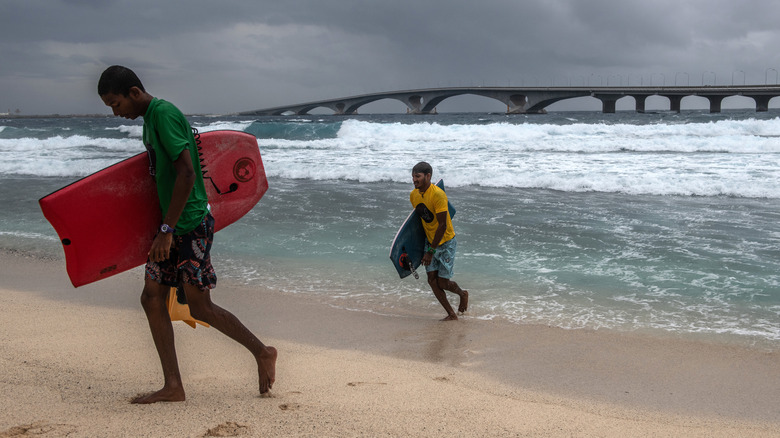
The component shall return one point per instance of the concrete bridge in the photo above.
(525, 100)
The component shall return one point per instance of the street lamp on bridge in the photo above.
(663, 77)
(688, 77)
(714, 79)
(766, 76)
(732, 77)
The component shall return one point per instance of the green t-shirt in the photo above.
(167, 134)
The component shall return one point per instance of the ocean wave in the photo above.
(739, 136)
(739, 158)
(727, 158)
(134, 131)
(63, 156)
(296, 129)
(222, 125)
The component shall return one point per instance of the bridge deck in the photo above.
(520, 100)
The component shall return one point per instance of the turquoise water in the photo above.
(639, 222)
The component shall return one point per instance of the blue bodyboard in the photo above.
(408, 246)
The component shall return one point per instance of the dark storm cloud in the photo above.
(234, 55)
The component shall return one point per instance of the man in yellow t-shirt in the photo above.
(430, 202)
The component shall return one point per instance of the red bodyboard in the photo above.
(107, 221)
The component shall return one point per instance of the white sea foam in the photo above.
(724, 158)
(731, 158)
(220, 124)
(29, 235)
(135, 131)
(62, 156)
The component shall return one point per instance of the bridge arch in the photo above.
(696, 102)
(744, 100)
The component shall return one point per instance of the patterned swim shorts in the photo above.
(444, 259)
(189, 261)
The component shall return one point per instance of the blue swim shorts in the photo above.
(444, 259)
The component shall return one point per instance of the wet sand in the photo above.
(72, 359)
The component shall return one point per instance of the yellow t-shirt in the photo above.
(433, 201)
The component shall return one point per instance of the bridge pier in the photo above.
(640, 103)
(414, 104)
(674, 102)
(608, 102)
(715, 102)
(762, 103)
(608, 106)
(515, 102)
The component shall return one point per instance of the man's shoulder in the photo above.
(166, 108)
(414, 196)
(165, 116)
(438, 191)
(160, 109)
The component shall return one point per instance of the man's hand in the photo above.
(161, 247)
(426, 260)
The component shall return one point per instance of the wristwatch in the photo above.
(165, 228)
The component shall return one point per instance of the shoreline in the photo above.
(72, 358)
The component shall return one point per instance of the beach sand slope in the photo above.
(72, 359)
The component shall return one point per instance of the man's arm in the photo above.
(185, 180)
(441, 218)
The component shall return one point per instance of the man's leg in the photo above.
(202, 308)
(442, 266)
(153, 300)
(451, 286)
(433, 281)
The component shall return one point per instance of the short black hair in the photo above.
(422, 167)
(118, 80)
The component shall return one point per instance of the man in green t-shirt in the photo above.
(179, 254)
(430, 202)
(166, 135)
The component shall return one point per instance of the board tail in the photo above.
(406, 264)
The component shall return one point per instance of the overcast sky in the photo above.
(223, 56)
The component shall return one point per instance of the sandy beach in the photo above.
(72, 359)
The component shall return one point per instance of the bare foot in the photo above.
(163, 395)
(266, 369)
(464, 302)
(452, 317)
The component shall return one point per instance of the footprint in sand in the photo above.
(227, 429)
(365, 383)
(289, 406)
(38, 428)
